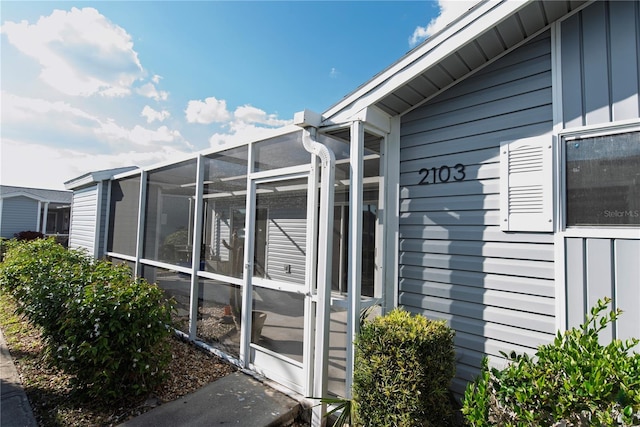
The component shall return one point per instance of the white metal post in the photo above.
(38, 215)
(45, 214)
(247, 295)
(391, 215)
(355, 246)
(325, 246)
(142, 207)
(195, 252)
(311, 265)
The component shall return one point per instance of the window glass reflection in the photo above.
(177, 286)
(282, 151)
(224, 193)
(123, 217)
(168, 233)
(281, 230)
(219, 314)
(278, 322)
(603, 180)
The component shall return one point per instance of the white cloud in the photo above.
(248, 124)
(449, 10)
(80, 51)
(239, 132)
(19, 114)
(208, 111)
(138, 136)
(149, 90)
(152, 115)
(50, 167)
(334, 73)
(18, 109)
(251, 115)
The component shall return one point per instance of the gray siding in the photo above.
(599, 268)
(600, 84)
(18, 214)
(600, 56)
(286, 237)
(84, 219)
(494, 288)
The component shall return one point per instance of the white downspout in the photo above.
(323, 305)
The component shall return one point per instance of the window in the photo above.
(603, 180)
(123, 218)
(168, 235)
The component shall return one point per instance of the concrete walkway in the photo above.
(15, 410)
(237, 399)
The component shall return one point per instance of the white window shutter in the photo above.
(526, 184)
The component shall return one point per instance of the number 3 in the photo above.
(460, 175)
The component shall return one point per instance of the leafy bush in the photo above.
(573, 381)
(403, 368)
(43, 276)
(100, 324)
(115, 334)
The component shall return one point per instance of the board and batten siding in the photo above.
(604, 267)
(84, 217)
(19, 213)
(495, 288)
(600, 63)
(600, 68)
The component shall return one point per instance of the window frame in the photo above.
(604, 231)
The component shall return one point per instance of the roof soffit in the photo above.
(478, 37)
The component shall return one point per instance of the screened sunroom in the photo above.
(254, 243)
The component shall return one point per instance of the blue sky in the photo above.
(90, 85)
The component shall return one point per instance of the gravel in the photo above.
(55, 405)
(52, 399)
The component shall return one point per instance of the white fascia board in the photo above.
(132, 172)
(93, 177)
(467, 28)
(79, 181)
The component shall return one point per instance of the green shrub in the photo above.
(403, 368)
(43, 276)
(573, 381)
(106, 328)
(115, 334)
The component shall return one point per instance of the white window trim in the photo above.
(603, 231)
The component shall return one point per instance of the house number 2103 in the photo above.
(442, 174)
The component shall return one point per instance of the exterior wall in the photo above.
(18, 214)
(496, 289)
(600, 55)
(84, 217)
(600, 85)
(604, 267)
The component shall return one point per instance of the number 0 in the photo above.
(447, 175)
